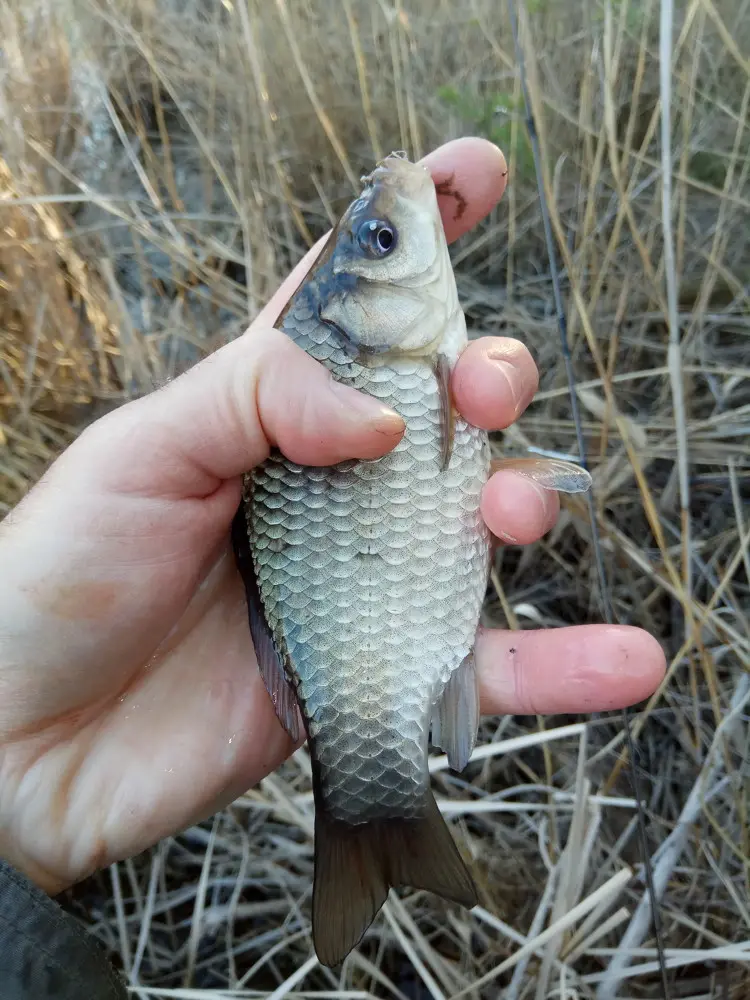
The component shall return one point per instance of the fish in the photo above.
(365, 580)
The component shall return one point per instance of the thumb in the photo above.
(221, 418)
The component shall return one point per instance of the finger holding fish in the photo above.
(578, 668)
(520, 502)
(494, 381)
(470, 175)
(517, 510)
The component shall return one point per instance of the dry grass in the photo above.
(162, 164)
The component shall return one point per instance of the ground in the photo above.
(165, 163)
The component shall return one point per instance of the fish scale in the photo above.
(353, 639)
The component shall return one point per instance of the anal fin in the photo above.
(455, 718)
(355, 866)
(270, 665)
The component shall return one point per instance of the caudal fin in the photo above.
(355, 866)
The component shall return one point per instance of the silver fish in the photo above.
(365, 580)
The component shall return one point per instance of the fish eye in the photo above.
(376, 237)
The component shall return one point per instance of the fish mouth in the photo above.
(396, 174)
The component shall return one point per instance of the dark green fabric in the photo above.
(44, 953)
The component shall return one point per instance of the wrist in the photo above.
(49, 882)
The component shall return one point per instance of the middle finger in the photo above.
(494, 381)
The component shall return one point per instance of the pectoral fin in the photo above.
(270, 664)
(455, 718)
(550, 473)
(447, 412)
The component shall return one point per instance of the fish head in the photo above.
(385, 279)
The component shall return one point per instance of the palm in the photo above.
(166, 733)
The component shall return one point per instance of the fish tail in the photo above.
(356, 865)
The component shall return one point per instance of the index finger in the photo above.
(470, 176)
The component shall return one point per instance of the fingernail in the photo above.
(521, 390)
(381, 418)
(505, 536)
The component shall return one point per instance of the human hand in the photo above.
(130, 701)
